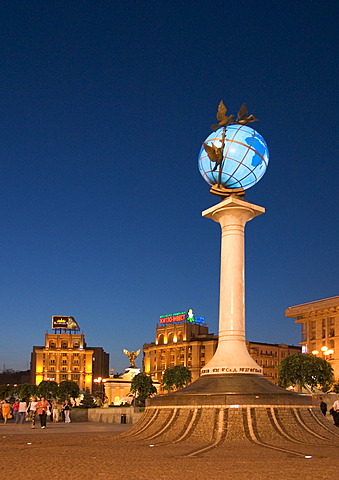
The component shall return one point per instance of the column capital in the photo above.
(244, 211)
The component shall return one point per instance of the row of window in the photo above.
(53, 361)
(172, 351)
(75, 377)
(64, 344)
(313, 336)
(170, 338)
(75, 354)
(63, 369)
(329, 321)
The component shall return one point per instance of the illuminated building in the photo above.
(118, 388)
(184, 339)
(319, 322)
(65, 356)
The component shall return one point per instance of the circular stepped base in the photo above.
(218, 409)
(231, 389)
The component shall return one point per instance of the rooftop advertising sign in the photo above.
(181, 317)
(64, 322)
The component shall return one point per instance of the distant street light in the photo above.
(101, 382)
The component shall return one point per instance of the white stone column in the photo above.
(232, 355)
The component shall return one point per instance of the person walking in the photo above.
(335, 409)
(323, 406)
(32, 410)
(55, 411)
(5, 410)
(15, 408)
(67, 410)
(22, 411)
(42, 408)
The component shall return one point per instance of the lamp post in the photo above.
(101, 382)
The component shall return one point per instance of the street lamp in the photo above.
(324, 350)
(101, 381)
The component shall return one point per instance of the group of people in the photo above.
(21, 411)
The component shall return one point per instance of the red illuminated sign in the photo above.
(176, 317)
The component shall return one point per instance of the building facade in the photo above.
(65, 356)
(319, 322)
(181, 340)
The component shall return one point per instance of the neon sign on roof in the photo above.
(182, 317)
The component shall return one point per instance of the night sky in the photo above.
(104, 107)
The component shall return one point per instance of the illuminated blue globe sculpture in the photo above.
(245, 158)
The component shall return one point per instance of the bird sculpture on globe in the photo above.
(235, 156)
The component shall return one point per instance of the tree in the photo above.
(26, 391)
(305, 369)
(142, 385)
(48, 389)
(6, 391)
(176, 377)
(67, 389)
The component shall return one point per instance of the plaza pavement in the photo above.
(95, 450)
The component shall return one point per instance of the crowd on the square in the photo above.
(22, 411)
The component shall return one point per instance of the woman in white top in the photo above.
(32, 410)
(22, 411)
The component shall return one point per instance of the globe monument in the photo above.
(232, 401)
(232, 159)
(244, 162)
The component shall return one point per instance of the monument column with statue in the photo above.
(232, 159)
(232, 400)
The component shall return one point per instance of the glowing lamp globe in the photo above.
(245, 158)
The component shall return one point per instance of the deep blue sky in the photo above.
(104, 107)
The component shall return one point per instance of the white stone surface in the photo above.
(232, 355)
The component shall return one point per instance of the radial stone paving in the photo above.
(214, 412)
(288, 429)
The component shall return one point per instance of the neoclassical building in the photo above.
(65, 356)
(184, 340)
(319, 322)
